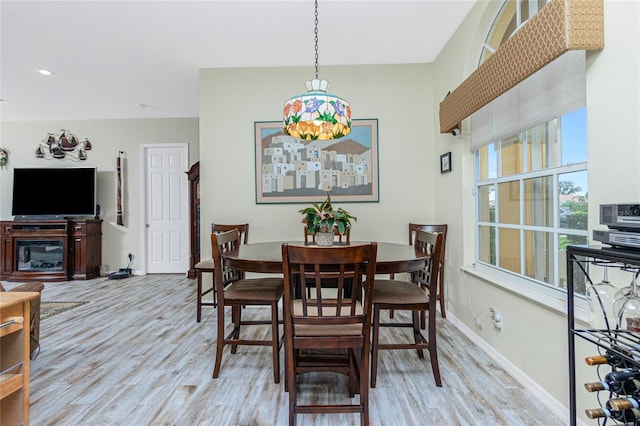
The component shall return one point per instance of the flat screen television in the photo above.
(54, 193)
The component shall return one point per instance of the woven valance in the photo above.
(560, 26)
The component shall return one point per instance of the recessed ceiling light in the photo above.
(45, 72)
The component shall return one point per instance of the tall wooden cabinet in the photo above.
(50, 250)
(14, 357)
(194, 215)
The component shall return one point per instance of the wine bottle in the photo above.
(612, 358)
(623, 403)
(620, 384)
(628, 415)
(621, 375)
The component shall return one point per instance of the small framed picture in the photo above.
(445, 162)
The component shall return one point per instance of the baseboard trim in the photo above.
(537, 391)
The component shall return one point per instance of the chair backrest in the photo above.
(243, 229)
(222, 242)
(321, 267)
(430, 243)
(346, 237)
(442, 228)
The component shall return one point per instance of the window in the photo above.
(531, 185)
(532, 199)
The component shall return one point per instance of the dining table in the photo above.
(266, 257)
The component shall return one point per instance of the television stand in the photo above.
(50, 250)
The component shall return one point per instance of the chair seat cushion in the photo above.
(261, 289)
(204, 264)
(398, 292)
(326, 330)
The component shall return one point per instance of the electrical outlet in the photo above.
(496, 317)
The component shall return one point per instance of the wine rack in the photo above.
(610, 340)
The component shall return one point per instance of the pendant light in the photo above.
(316, 114)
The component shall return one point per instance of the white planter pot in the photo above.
(324, 238)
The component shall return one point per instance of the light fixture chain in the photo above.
(316, 37)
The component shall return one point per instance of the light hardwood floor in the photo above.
(135, 355)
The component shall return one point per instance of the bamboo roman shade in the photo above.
(560, 26)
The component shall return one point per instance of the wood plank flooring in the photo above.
(135, 355)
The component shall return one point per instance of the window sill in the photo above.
(554, 300)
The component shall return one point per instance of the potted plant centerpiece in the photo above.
(322, 220)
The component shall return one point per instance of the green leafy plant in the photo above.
(323, 218)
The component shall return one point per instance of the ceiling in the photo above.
(140, 59)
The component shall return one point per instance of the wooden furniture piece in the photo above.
(34, 327)
(442, 228)
(51, 250)
(193, 175)
(311, 238)
(405, 295)
(86, 249)
(266, 258)
(236, 292)
(206, 266)
(329, 333)
(14, 356)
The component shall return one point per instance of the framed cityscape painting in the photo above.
(290, 170)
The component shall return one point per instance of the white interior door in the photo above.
(166, 233)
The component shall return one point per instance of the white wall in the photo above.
(534, 338)
(399, 96)
(108, 137)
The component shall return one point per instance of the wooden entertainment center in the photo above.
(50, 250)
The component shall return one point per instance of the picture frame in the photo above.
(445, 162)
(291, 170)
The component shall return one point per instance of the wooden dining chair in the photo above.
(328, 333)
(236, 292)
(311, 238)
(442, 228)
(206, 266)
(417, 295)
(413, 227)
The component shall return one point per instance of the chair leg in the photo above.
(417, 337)
(275, 347)
(286, 367)
(353, 384)
(215, 298)
(219, 342)
(199, 295)
(433, 349)
(391, 277)
(423, 315)
(374, 344)
(291, 379)
(364, 386)
(441, 293)
(236, 318)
